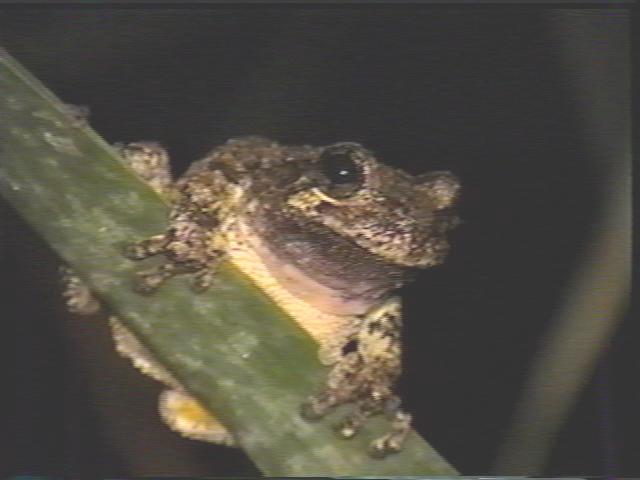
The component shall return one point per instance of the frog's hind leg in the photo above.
(181, 412)
(185, 415)
(128, 345)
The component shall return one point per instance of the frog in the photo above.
(328, 233)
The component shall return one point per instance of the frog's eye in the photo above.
(340, 167)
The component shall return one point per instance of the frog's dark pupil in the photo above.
(340, 168)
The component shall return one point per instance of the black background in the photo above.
(484, 92)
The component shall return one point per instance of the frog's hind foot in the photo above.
(185, 415)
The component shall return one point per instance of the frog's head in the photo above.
(398, 217)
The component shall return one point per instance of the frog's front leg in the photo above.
(187, 247)
(365, 374)
(194, 241)
(150, 162)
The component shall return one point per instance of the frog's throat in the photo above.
(318, 309)
(297, 282)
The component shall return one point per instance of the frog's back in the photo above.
(266, 163)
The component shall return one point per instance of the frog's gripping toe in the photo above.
(392, 442)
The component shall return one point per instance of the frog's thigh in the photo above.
(128, 345)
(180, 411)
(185, 415)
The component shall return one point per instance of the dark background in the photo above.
(484, 92)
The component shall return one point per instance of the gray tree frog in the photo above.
(328, 233)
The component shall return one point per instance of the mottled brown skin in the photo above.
(331, 232)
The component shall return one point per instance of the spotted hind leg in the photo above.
(180, 411)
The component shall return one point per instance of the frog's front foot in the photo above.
(148, 281)
(353, 422)
(393, 441)
(146, 248)
(317, 407)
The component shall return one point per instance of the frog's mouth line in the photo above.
(339, 300)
